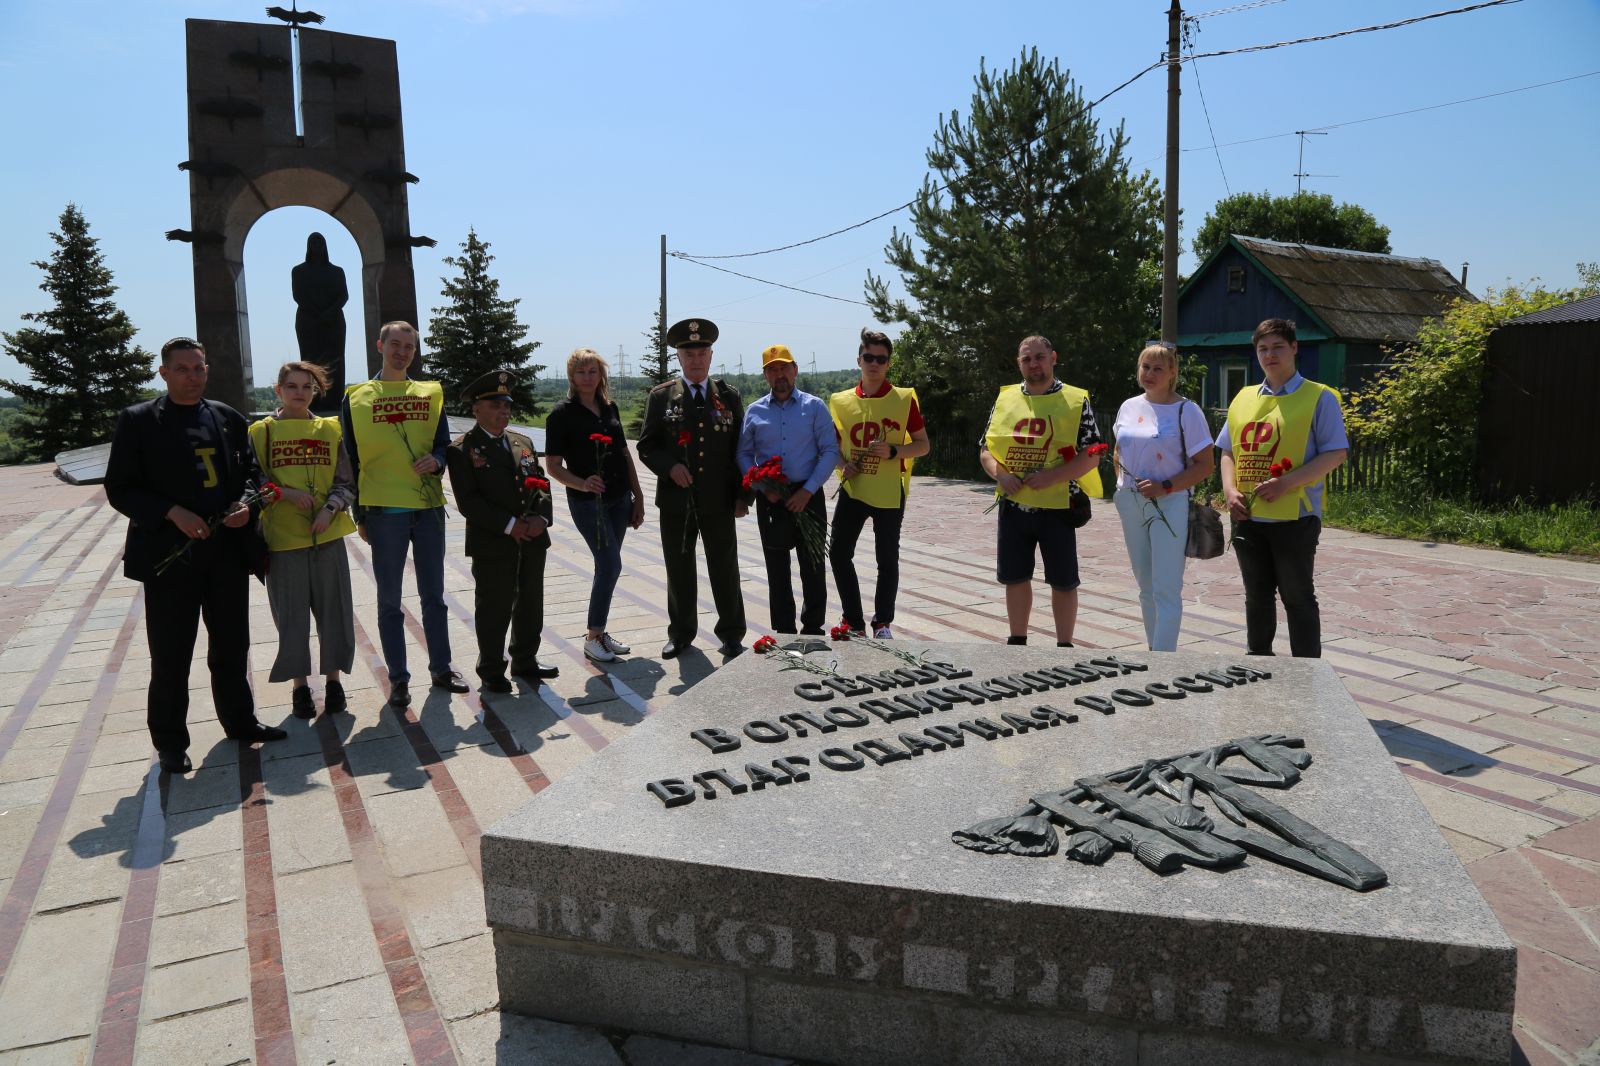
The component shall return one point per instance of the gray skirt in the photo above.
(306, 584)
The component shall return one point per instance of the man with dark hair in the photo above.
(396, 435)
(1280, 441)
(180, 467)
(690, 440)
(880, 432)
(1036, 448)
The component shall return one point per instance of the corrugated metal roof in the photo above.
(1585, 310)
(1360, 295)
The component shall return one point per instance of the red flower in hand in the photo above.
(533, 484)
(1097, 450)
(271, 492)
(1067, 454)
(600, 439)
(1286, 464)
(684, 437)
(394, 418)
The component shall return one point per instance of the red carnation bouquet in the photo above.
(769, 477)
(268, 493)
(1277, 469)
(601, 443)
(1065, 454)
(685, 438)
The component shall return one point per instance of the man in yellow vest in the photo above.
(396, 434)
(880, 432)
(1280, 440)
(1036, 448)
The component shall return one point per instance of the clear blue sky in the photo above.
(572, 133)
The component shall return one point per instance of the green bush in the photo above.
(1552, 529)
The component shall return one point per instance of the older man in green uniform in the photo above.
(501, 489)
(691, 440)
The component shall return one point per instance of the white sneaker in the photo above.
(597, 651)
(882, 633)
(613, 645)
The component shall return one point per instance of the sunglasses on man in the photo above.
(878, 359)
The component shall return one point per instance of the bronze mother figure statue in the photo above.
(320, 295)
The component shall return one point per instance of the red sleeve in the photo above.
(914, 419)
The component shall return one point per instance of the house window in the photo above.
(1236, 279)
(1233, 379)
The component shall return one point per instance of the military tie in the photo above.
(699, 396)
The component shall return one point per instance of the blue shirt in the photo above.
(799, 431)
(1327, 435)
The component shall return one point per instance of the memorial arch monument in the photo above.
(250, 153)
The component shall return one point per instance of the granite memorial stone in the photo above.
(910, 853)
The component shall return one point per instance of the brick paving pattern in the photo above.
(319, 900)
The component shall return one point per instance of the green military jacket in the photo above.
(711, 451)
(488, 481)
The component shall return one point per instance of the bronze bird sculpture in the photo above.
(199, 236)
(294, 17)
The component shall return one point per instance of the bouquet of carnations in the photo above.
(1066, 455)
(260, 497)
(769, 476)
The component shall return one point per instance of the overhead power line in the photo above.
(1375, 118)
(765, 281)
(901, 207)
(1189, 29)
(1234, 8)
(1349, 33)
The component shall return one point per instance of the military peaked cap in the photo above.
(692, 333)
(495, 385)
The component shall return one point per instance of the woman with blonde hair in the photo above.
(309, 576)
(1163, 450)
(586, 452)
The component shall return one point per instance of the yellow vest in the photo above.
(299, 453)
(1263, 429)
(860, 421)
(1027, 433)
(393, 423)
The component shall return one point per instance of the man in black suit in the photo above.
(176, 462)
(492, 473)
(691, 439)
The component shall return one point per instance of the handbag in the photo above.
(1079, 510)
(1205, 524)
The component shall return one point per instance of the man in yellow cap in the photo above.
(796, 428)
(690, 438)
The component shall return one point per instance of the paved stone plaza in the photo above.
(319, 900)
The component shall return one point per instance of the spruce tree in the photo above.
(655, 366)
(477, 331)
(80, 357)
(1043, 229)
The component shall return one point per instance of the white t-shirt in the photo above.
(1148, 439)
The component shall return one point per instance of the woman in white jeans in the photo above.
(1153, 482)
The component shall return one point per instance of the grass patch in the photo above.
(1550, 529)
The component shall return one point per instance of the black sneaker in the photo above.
(334, 702)
(304, 705)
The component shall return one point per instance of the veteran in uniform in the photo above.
(691, 439)
(508, 532)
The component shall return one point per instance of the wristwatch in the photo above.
(894, 451)
(1167, 484)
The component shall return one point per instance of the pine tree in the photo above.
(81, 357)
(1043, 229)
(477, 331)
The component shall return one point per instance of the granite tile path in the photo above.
(319, 900)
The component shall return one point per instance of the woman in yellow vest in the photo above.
(309, 575)
(880, 433)
(1281, 439)
(1036, 448)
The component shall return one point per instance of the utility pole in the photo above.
(661, 333)
(622, 363)
(1169, 253)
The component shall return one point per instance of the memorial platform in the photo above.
(771, 868)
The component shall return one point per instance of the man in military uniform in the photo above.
(492, 470)
(690, 439)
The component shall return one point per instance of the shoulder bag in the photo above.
(1205, 524)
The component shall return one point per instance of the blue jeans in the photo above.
(1157, 557)
(390, 535)
(587, 514)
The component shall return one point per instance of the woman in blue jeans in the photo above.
(586, 452)
(1154, 475)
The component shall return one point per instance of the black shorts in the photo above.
(1050, 531)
